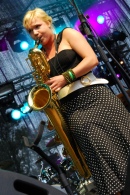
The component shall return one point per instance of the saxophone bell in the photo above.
(39, 97)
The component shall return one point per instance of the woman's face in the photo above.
(40, 30)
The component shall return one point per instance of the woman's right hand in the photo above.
(56, 83)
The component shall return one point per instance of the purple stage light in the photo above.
(100, 19)
(118, 75)
(99, 10)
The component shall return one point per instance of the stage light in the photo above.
(3, 45)
(117, 70)
(25, 108)
(100, 19)
(119, 36)
(121, 62)
(118, 76)
(16, 114)
(17, 41)
(24, 45)
(11, 113)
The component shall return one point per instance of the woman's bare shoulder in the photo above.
(71, 33)
(70, 30)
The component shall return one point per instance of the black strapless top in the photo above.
(63, 61)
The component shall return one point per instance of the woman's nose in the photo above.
(35, 32)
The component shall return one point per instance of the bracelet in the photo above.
(72, 75)
(69, 76)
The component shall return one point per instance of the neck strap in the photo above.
(58, 40)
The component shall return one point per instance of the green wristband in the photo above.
(71, 74)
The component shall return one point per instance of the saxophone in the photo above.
(41, 98)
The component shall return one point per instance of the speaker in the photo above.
(17, 184)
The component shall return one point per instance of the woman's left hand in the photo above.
(56, 83)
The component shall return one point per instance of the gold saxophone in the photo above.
(41, 98)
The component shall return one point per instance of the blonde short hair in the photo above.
(37, 12)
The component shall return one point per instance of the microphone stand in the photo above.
(87, 30)
(39, 151)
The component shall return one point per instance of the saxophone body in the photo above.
(41, 98)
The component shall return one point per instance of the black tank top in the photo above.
(63, 60)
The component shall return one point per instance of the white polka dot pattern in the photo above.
(101, 125)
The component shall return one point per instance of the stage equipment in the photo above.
(88, 32)
(41, 99)
(60, 175)
(25, 108)
(63, 180)
(6, 88)
(7, 100)
(106, 40)
(119, 36)
(54, 141)
(8, 105)
(17, 184)
(16, 114)
(17, 40)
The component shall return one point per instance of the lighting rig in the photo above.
(9, 109)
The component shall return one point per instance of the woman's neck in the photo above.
(49, 49)
(50, 43)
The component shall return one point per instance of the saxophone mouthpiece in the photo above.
(37, 43)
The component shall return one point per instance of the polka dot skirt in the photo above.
(101, 125)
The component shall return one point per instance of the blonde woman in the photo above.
(97, 119)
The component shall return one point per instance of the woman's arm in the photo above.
(75, 40)
(72, 39)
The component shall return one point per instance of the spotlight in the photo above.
(118, 76)
(25, 108)
(121, 62)
(24, 45)
(11, 114)
(18, 42)
(119, 36)
(117, 70)
(16, 114)
(100, 19)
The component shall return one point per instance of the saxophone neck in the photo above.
(35, 48)
(36, 43)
